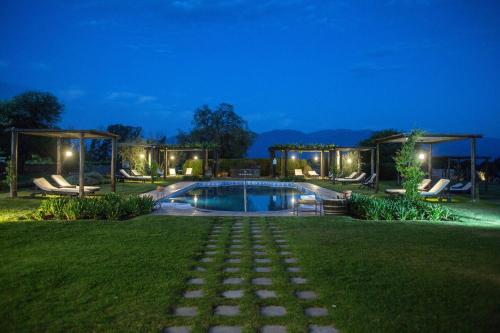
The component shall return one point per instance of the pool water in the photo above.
(236, 198)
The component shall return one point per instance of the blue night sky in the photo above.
(305, 65)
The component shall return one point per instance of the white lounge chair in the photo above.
(125, 175)
(171, 172)
(437, 191)
(358, 179)
(63, 183)
(299, 173)
(189, 172)
(312, 173)
(136, 173)
(460, 187)
(401, 191)
(47, 188)
(351, 176)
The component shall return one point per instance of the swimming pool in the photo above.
(240, 196)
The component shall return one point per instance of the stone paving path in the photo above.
(247, 270)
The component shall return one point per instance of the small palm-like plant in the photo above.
(409, 166)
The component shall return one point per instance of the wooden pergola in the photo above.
(322, 149)
(430, 140)
(156, 151)
(61, 134)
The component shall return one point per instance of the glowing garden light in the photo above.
(421, 156)
(316, 158)
(142, 156)
(195, 157)
(68, 153)
(293, 157)
(349, 160)
(172, 157)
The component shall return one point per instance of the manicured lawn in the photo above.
(127, 276)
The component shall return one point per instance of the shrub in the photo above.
(197, 166)
(409, 166)
(111, 206)
(398, 209)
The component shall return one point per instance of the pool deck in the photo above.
(186, 210)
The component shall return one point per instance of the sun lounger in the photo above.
(401, 191)
(136, 173)
(129, 177)
(44, 187)
(351, 176)
(63, 183)
(312, 173)
(437, 191)
(299, 173)
(171, 172)
(189, 172)
(460, 187)
(358, 179)
(369, 182)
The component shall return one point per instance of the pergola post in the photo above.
(81, 183)
(473, 191)
(377, 177)
(429, 161)
(286, 163)
(165, 167)
(341, 163)
(13, 163)
(205, 161)
(372, 158)
(59, 157)
(282, 172)
(216, 163)
(359, 160)
(321, 164)
(330, 160)
(113, 165)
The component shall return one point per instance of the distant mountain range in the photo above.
(344, 137)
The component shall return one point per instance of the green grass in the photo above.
(127, 276)
(94, 276)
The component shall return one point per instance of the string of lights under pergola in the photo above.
(322, 150)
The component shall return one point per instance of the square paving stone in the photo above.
(231, 269)
(284, 246)
(177, 329)
(210, 253)
(237, 241)
(260, 253)
(258, 246)
(294, 269)
(237, 246)
(306, 295)
(262, 269)
(207, 259)
(227, 310)
(236, 253)
(262, 281)
(257, 236)
(299, 280)
(263, 260)
(211, 246)
(196, 281)
(291, 260)
(193, 294)
(233, 294)
(224, 329)
(273, 329)
(233, 261)
(280, 241)
(233, 281)
(316, 312)
(272, 311)
(263, 294)
(187, 311)
(322, 329)
(285, 253)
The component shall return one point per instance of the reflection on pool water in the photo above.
(236, 198)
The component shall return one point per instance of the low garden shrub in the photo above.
(110, 206)
(399, 209)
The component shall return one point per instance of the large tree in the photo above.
(222, 127)
(32, 109)
(387, 153)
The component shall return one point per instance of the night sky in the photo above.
(305, 65)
